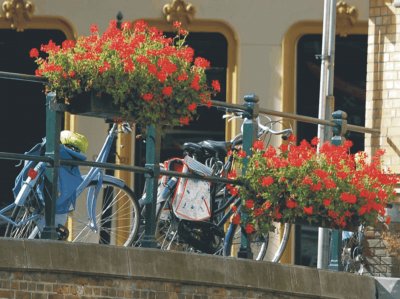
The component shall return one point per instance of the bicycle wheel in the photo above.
(263, 247)
(166, 235)
(176, 234)
(117, 217)
(26, 217)
(352, 257)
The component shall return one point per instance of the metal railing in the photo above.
(153, 146)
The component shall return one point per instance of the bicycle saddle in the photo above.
(193, 148)
(216, 147)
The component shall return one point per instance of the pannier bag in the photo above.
(192, 198)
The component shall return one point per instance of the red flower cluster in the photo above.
(151, 77)
(330, 187)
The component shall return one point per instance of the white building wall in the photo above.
(260, 26)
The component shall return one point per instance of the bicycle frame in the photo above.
(97, 174)
(22, 195)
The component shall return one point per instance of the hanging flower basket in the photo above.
(133, 73)
(296, 184)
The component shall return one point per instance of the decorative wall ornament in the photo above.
(346, 18)
(180, 11)
(19, 12)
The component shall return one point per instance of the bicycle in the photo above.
(112, 212)
(352, 257)
(208, 236)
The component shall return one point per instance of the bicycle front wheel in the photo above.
(116, 221)
(263, 247)
(26, 218)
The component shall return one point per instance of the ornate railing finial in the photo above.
(346, 17)
(180, 11)
(19, 12)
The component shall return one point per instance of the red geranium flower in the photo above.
(129, 63)
(329, 187)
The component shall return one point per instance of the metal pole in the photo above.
(250, 129)
(53, 128)
(325, 105)
(153, 148)
(340, 119)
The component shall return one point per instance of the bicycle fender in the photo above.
(91, 200)
(93, 192)
(110, 179)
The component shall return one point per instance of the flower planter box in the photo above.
(326, 224)
(90, 104)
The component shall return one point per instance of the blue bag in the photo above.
(68, 180)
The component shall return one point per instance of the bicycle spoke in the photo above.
(116, 219)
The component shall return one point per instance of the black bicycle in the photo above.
(215, 233)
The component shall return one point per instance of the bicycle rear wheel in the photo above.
(117, 217)
(262, 247)
(166, 235)
(176, 234)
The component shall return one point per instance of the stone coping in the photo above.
(144, 263)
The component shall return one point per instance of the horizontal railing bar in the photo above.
(131, 168)
(359, 129)
(23, 77)
(313, 120)
(302, 118)
(228, 105)
(200, 177)
(147, 170)
(112, 166)
(307, 119)
(13, 156)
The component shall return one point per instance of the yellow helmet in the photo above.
(76, 140)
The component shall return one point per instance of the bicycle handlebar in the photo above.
(262, 129)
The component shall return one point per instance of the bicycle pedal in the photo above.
(62, 232)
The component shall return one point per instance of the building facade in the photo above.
(266, 47)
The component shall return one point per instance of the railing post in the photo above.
(250, 129)
(153, 149)
(53, 128)
(340, 120)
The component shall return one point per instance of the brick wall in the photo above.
(383, 260)
(39, 269)
(383, 113)
(38, 285)
(383, 81)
